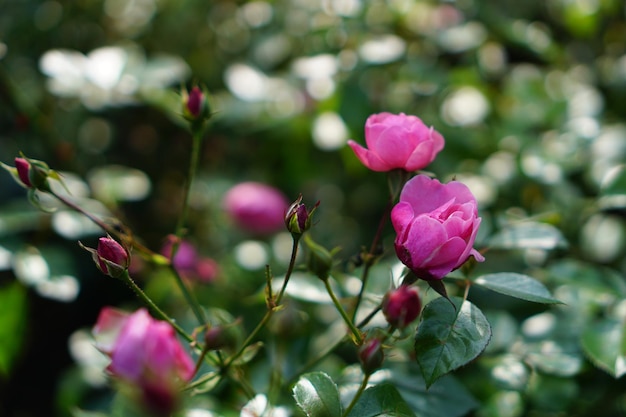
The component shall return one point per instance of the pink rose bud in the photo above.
(436, 226)
(195, 105)
(298, 219)
(371, 355)
(397, 141)
(256, 208)
(23, 169)
(146, 354)
(401, 306)
(110, 257)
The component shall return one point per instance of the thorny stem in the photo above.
(155, 309)
(123, 236)
(366, 378)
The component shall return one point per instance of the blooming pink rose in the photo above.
(145, 353)
(436, 225)
(256, 208)
(397, 141)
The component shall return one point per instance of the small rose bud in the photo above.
(110, 257)
(371, 355)
(298, 219)
(31, 173)
(401, 306)
(195, 105)
(23, 169)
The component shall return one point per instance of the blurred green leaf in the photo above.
(528, 236)
(604, 342)
(13, 314)
(447, 397)
(317, 395)
(206, 383)
(249, 353)
(518, 286)
(449, 337)
(381, 401)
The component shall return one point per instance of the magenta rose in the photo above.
(256, 208)
(436, 226)
(397, 141)
(146, 354)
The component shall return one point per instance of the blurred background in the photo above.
(530, 97)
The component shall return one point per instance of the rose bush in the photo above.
(436, 226)
(397, 141)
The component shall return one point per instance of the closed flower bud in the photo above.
(23, 170)
(401, 306)
(195, 105)
(110, 257)
(371, 355)
(31, 173)
(298, 219)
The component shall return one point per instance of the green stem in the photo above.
(268, 313)
(180, 228)
(355, 332)
(124, 237)
(155, 309)
(366, 378)
(395, 187)
(292, 264)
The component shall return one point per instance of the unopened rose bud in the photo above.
(110, 257)
(298, 219)
(23, 169)
(371, 355)
(195, 105)
(401, 306)
(31, 173)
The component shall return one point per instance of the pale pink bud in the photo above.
(256, 208)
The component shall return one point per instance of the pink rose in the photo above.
(436, 225)
(145, 353)
(397, 141)
(256, 208)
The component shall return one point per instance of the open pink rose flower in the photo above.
(397, 141)
(145, 353)
(436, 226)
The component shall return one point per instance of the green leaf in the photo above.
(205, 383)
(380, 401)
(447, 339)
(445, 398)
(518, 286)
(13, 307)
(604, 343)
(528, 235)
(317, 395)
(248, 353)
